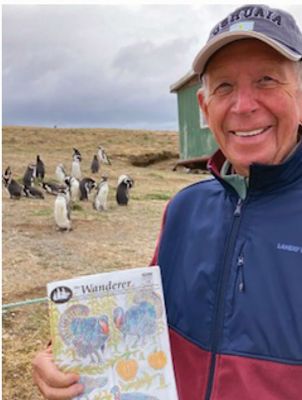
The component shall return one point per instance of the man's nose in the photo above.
(244, 100)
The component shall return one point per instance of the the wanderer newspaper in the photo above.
(111, 329)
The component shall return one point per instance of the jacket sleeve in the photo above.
(154, 260)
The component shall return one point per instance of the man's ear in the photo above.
(202, 102)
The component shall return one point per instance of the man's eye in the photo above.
(266, 80)
(223, 88)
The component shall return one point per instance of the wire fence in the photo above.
(6, 307)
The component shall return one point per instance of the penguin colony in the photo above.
(69, 189)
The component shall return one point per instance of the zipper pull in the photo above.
(240, 264)
(237, 211)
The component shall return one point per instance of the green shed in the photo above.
(195, 138)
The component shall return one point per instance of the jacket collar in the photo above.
(264, 177)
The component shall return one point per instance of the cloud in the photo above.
(60, 74)
(151, 58)
(100, 65)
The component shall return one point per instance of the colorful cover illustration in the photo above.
(111, 329)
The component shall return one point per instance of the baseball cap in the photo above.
(275, 27)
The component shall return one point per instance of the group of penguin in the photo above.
(16, 190)
(70, 188)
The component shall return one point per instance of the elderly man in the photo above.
(230, 249)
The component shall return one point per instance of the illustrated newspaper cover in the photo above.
(111, 329)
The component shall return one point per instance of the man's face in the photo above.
(252, 103)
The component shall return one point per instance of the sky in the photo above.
(101, 65)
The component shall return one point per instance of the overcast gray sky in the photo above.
(100, 65)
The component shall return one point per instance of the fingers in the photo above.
(53, 383)
(52, 393)
(45, 367)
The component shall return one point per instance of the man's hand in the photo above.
(54, 384)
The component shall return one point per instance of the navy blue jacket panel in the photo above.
(232, 270)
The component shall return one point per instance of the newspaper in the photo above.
(111, 329)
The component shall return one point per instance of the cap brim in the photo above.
(228, 37)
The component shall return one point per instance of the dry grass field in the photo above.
(34, 252)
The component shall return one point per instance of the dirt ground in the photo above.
(34, 252)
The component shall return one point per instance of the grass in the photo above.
(35, 253)
(158, 196)
(77, 207)
(42, 213)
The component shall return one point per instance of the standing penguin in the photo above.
(40, 168)
(62, 211)
(95, 165)
(102, 156)
(29, 175)
(74, 188)
(100, 200)
(124, 184)
(76, 155)
(60, 173)
(86, 186)
(76, 168)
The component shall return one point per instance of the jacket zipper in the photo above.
(239, 281)
(240, 264)
(218, 319)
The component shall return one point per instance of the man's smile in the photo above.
(254, 132)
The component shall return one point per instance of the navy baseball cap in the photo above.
(277, 28)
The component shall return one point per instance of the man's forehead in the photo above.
(245, 49)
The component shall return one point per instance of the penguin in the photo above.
(60, 173)
(40, 168)
(125, 183)
(62, 211)
(7, 174)
(100, 200)
(95, 165)
(52, 188)
(76, 155)
(121, 178)
(102, 156)
(32, 192)
(76, 168)
(29, 175)
(86, 186)
(74, 188)
(12, 186)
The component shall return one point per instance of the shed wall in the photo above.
(194, 141)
